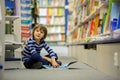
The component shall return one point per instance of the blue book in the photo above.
(114, 15)
(119, 21)
(10, 7)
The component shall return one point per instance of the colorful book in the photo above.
(96, 20)
(10, 7)
(103, 23)
(114, 15)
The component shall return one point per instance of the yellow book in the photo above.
(60, 11)
(50, 12)
(96, 20)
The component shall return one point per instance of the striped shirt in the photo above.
(32, 48)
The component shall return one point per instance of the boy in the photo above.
(31, 53)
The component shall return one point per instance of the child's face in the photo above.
(38, 34)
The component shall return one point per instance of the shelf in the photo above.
(12, 59)
(10, 43)
(92, 15)
(11, 18)
(52, 15)
(102, 42)
(111, 41)
(51, 6)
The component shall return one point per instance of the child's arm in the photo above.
(52, 55)
(51, 60)
(46, 58)
(54, 63)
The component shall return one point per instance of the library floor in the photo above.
(78, 71)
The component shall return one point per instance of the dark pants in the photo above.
(37, 58)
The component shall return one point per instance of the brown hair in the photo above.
(42, 27)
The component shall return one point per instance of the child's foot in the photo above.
(37, 65)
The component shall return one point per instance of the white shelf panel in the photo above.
(11, 43)
(55, 40)
(11, 18)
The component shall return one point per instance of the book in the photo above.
(42, 11)
(103, 23)
(8, 28)
(96, 20)
(49, 12)
(114, 15)
(10, 7)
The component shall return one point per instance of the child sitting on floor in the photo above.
(31, 53)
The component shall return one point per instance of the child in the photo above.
(31, 53)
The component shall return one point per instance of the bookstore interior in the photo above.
(87, 25)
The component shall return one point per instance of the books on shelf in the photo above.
(51, 20)
(43, 11)
(51, 2)
(52, 15)
(95, 18)
(26, 19)
(51, 11)
(55, 38)
(56, 30)
(11, 7)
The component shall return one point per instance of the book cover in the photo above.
(42, 11)
(10, 7)
(49, 12)
(96, 20)
(92, 27)
(114, 15)
(103, 23)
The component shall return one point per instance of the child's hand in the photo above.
(54, 63)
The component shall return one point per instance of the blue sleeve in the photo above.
(49, 50)
(30, 47)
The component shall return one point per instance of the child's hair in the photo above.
(42, 27)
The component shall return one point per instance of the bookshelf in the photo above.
(52, 15)
(12, 25)
(26, 19)
(94, 22)
(2, 39)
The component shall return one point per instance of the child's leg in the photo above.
(59, 62)
(34, 59)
